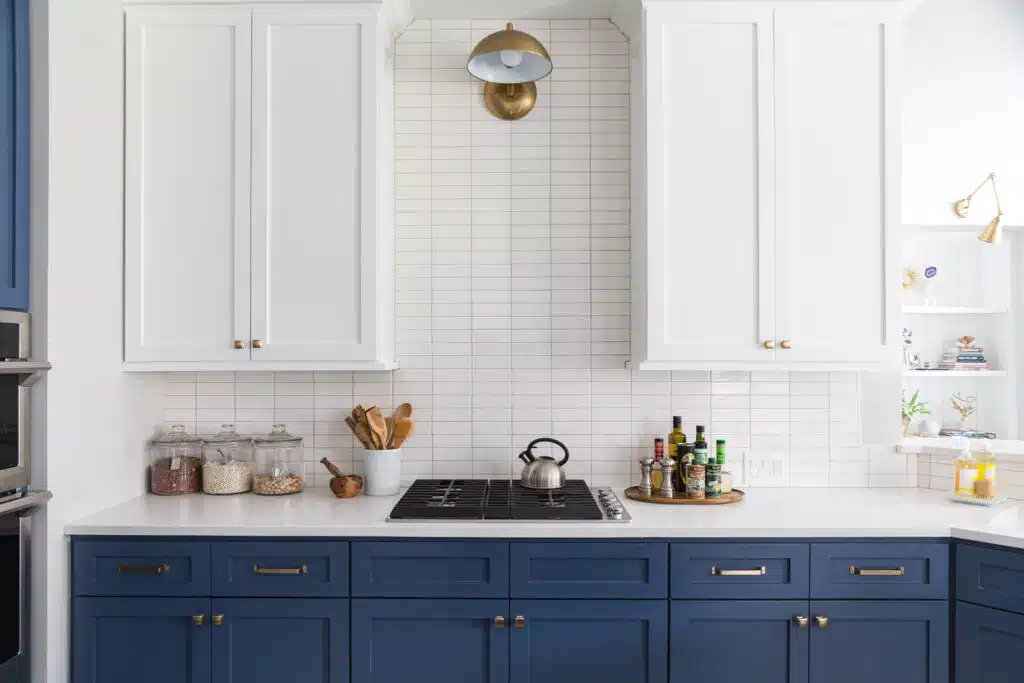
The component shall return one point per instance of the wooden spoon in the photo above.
(364, 434)
(403, 430)
(354, 426)
(404, 410)
(378, 426)
(391, 430)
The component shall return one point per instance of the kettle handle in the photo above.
(545, 439)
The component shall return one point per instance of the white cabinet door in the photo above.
(710, 216)
(314, 206)
(187, 99)
(838, 182)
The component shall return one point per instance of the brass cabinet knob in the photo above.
(499, 622)
(786, 344)
(802, 622)
(198, 619)
(769, 344)
(239, 344)
(822, 622)
(519, 622)
(257, 343)
(218, 619)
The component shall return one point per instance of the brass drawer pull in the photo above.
(257, 343)
(769, 344)
(822, 622)
(499, 622)
(162, 569)
(857, 571)
(786, 344)
(519, 622)
(287, 571)
(802, 622)
(760, 571)
(239, 344)
(198, 619)
(218, 619)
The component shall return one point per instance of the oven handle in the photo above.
(26, 502)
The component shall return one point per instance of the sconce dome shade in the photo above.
(525, 60)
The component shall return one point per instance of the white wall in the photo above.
(97, 418)
(963, 109)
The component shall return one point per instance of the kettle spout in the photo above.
(526, 457)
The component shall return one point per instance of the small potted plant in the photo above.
(912, 407)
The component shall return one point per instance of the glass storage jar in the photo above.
(226, 462)
(279, 465)
(174, 464)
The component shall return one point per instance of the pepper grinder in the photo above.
(646, 484)
(666, 477)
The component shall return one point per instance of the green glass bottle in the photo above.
(700, 448)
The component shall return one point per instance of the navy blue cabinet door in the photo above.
(583, 641)
(712, 640)
(272, 640)
(989, 645)
(429, 641)
(128, 640)
(14, 154)
(882, 641)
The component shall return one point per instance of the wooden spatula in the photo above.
(354, 426)
(403, 430)
(378, 427)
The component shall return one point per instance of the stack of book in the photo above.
(964, 358)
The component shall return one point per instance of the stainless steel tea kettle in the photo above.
(543, 473)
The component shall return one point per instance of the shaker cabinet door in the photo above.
(708, 256)
(315, 174)
(838, 199)
(430, 641)
(989, 644)
(14, 154)
(187, 97)
(128, 640)
(276, 640)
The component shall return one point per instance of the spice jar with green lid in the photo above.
(278, 468)
(174, 462)
(226, 462)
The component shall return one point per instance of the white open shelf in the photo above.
(953, 310)
(941, 374)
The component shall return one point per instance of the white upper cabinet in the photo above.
(771, 186)
(284, 230)
(187, 100)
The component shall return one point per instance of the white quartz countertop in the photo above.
(789, 513)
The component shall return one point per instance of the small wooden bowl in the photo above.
(347, 486)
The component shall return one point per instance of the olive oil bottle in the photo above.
(676, 438)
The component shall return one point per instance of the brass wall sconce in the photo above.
(993, 232)
(510, 62)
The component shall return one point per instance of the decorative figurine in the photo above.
(966, 406)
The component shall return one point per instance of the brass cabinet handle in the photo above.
(519, 622)
(161, 569)
(198, 619)
(857, 571)
(786, 344)
(718, 571)
(286, 571)
(499, 622)
(239, 344)
(802, 622)
(257, 343)
(822, 622)
(218, 619)
(769, 344)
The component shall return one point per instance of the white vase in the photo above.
(383, 472)
(929, 428)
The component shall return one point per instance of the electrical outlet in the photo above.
(767, 470)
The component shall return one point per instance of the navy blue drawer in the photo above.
(990, 577)
(141, 568)
(280, 568)
(717, 571)
(601, 569)
(430, 569)
(905, 571)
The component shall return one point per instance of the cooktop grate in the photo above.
(466, 499)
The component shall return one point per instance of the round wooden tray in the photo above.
(733, 496)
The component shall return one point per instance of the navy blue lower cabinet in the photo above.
(882, 641)
(430, 641)
(279, 639)
(714, 640)
(989, 645)
(128, 640)
(584, 641)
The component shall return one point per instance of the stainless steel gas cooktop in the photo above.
(501, 499)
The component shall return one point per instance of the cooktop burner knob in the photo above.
(615, 513)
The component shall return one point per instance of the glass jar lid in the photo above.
(279, 436)
(228, 436)
(177, 435)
